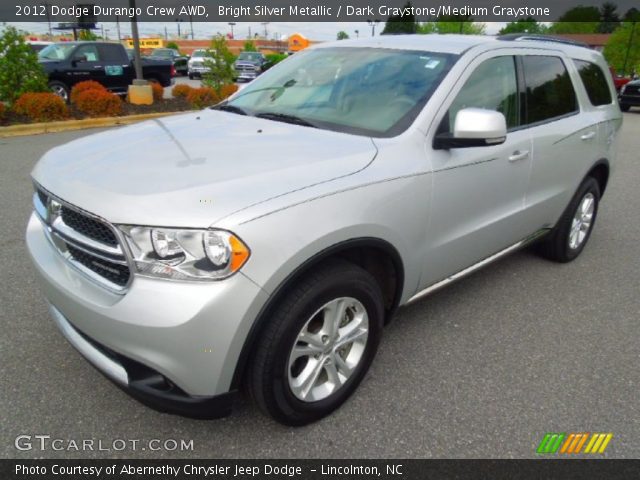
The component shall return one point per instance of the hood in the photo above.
(191, 170)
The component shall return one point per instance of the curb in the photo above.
(70, 125)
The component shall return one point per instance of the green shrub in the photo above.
(20, 71)
(274, 58)
(220, 65)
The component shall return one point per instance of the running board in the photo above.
(477, 266)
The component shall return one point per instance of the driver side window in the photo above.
(89, 52)
(492, 86)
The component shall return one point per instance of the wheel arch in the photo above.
(600, 172)
(375, 255)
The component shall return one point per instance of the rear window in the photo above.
(550, 93)
(595, 82)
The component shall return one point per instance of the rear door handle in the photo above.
(518, 155)
(588, 136)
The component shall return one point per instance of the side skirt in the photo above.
(477, 266)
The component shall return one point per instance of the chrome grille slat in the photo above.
(95, 251)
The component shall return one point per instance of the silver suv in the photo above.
(265, 242)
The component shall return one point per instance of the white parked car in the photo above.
(197, 63)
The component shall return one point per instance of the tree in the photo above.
(632, 15)
(173, 45)
(401, 23)
(342, 35)
(609, 19)
(622, 50)
(462, 24)
(579, 19)
(249, 46)
(220, 65)
(20, 71)
(523, 25)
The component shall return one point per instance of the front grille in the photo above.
(87, 242)
(88, 227)
(245, 68)
(633, 89)
(114, 272)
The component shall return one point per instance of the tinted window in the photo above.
(89, 52)
(550, 93)
(491, 86)
(111, 53)
(594, 82)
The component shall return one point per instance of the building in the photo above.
(597, 41)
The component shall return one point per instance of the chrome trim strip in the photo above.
(106, 365)
(98, 255)
(476, 266)
(59, 225)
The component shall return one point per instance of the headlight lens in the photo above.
(184, 254)
(623, 89)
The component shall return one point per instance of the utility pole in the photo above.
(191, 23)
(266, 34)
(373, 24)
(136, 42)
(231, 24)
(118, 27)
(178, 22)
(46, 6)
(626, 56)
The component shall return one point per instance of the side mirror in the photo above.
(474, 127)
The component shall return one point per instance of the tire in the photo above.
(191, 77)
(564, 244)
(275, 377)
(60, 89)
(625, 107)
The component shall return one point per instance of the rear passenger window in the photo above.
(111, 53)
(549, 91)
(594, 82)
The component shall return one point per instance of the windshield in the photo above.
(162, 53)
(365, 91)
(56, 51)
(200, 53)
(250, 57)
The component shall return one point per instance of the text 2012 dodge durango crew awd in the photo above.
(265, 242)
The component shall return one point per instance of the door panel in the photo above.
(478, 193)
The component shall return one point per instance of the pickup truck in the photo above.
(68, 63)
(249, 65)
(179, 61)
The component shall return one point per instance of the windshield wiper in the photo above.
(283, 117)
(230, 108)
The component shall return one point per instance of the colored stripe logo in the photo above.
(572, 443)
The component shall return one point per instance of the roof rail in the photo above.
(540, 38)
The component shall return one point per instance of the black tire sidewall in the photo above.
(352, 284)
(590, 185)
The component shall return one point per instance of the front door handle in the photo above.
(588, 136)
(518, 155)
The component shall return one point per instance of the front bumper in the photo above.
(628, 99)
(173, 345)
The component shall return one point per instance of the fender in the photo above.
(263, 317)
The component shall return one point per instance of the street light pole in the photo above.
(136, 42)
(232, 24)
(373, 24)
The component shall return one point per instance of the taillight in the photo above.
(173, 71)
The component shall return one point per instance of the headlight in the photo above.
(623, 88)
(183, 254)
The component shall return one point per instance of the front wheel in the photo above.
(625, 107)
(569, 237)
(318, 345)
(60, 89)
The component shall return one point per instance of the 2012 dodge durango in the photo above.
(264, 243)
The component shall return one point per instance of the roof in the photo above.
(433, 42)
(451, 43)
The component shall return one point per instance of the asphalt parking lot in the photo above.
(481, 369)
